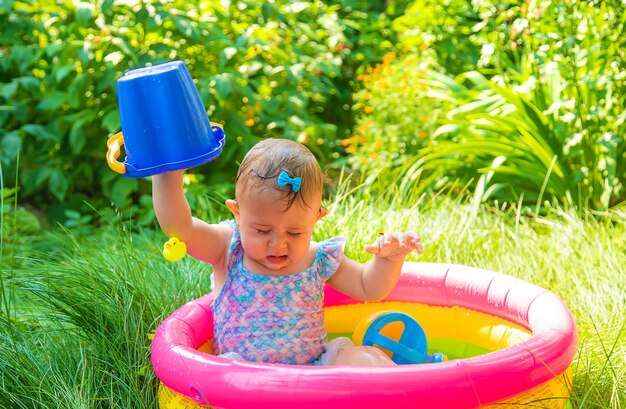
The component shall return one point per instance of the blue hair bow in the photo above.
(284, 179)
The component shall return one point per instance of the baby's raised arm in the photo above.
(206, 242)
(372, 281)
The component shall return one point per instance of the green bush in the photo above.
(575, 73)
(561, 131)
(262, 69)
(397, 110)
(464, 35)
(550, 128)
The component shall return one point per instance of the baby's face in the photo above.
(276, 241)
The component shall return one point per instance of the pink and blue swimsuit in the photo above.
(274, 319)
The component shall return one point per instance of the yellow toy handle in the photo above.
(216, 125)
(114, 145)
(115, 142)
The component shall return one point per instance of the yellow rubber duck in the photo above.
(174, 249)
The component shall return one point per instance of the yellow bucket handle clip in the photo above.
(114, 146)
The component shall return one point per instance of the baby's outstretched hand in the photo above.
(396, 246)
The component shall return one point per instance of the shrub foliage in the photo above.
(548, 127)
(446, 89)
(263, 69)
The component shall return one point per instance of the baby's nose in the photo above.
(278, 242)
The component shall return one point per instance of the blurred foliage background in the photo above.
(507, 101)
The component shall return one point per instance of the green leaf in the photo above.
(39, 131)
(53, 49)
(123, 46)
(241, 42)
(236, 127)
(72, 214)
(122, 189)
(30, 84)
(446, 129)
(105, 6)
(186, 28)
(52, 101)
(7, 192)
(77, 139)
(58, 183)
(146, 214)
(11, 145)
(84, 14)
(23, 56)
(76, 90)
(269, 11)
(480, 105)
(9, 89)
(6, 5)
(222, 87)
(36, 178)
(111, 121)
(477, 79)
(279, 54)
(63, 71)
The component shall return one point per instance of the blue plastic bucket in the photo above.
(164, 124)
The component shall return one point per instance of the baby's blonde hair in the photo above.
(267, 159)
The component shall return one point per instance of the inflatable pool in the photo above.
(508, 342)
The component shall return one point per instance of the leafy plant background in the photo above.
(274, 70)
(527, 107)
(442, 89)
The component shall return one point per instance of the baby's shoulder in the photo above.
(329, 255)
(228, 224)
(332, 246)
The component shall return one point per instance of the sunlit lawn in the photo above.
(81, 307)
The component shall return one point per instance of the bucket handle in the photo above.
(216, 127)
(114, 145)
(115, 142)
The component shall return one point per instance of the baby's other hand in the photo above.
(396, 246)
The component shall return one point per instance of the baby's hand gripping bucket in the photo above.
(164, 124)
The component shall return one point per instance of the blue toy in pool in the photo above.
(411, 348)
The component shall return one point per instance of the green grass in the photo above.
(78, 308)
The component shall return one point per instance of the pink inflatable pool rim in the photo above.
(460, 383)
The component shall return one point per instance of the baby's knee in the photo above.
(363, 356)
(378, 357)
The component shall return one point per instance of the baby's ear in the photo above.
(323, 212)
(233, 206)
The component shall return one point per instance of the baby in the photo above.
(268, 274)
